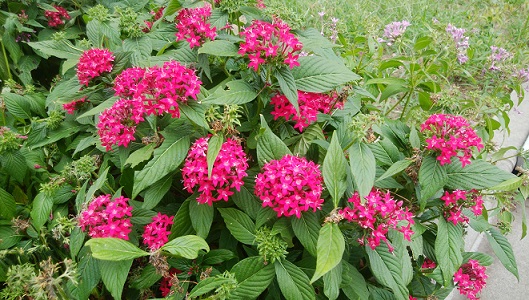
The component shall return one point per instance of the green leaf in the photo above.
(306, 139)
(98, 109)
(42, 205)
(195, 111)
(307, 230)
(269, 145)
(103, 32)
(217, 256)
(401, 252)
(141, 49)
(66, 129)
(288, 86)
(8, 205)
(114, 275)
(148, 278)
(386, 269)
(334, 170)
(172, 7)
(14, 164)
(62, 49)
(155, 193)
(182, 222)
(239, 224)
(432, 178)
(9, 237)
(247, 201)
(207, 285)
(363, 167)
(503, 250)
(76, 241)
(478, 175)
(97, 185)
(114, 249)
(396, 168)
(89, 276)
(318, 74)
(17, 105)
(201, 216)
(187, 246)
(508, 185)
(214, 145)
(331, 245)
(140, 155)
(238, 92)
(422, 43)
(448, 247)
(332, 281)
(353, 283)
(219, 48)
(293, 282)
(166, 159)
(484, 259)
(253, 275)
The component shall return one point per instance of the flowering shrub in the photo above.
(218, 151)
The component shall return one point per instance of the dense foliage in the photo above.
(211, 151)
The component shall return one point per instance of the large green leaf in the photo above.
(432, 178)
(309, 135)
(401, 252)
(187, 246)
(140, 155)
(253, 275)
(396, 168)
(307, 230)
(239, 224)
(335, 170)
(214, 145)
(503, 250)
(114, 249)
(386, 268)
(166, 159)
(288, 86)
(448, 248)
(114, 275)
(40, 213)
(17, 105)
(478, 175)
(195, 112)
(59, 48)
(332, 281)
(363, 167)
(269, 145)
(141, 49)
(353, 283)
(293, 282)
(14, 164)
(219, 48)
(207, 285)
(89, 276)
(201, 216)
(182, 222)
(9, 237)
(247, 201)
(331, 245)
(238, 92)
(8, 205)
(318, 74)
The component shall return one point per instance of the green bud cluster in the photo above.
(9, 140)
(128, 22)
(99, 12)
(271, 247)
(361, 126)
(55, 119)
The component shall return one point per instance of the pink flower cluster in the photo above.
(156, 233)
(498, 56)
(93, 63)
(309, 106)
(56, 18)
(377, 215)
(117, 124)
(394, 30)
(270, 43)
(470, 279)
(290, 186)
(106, 218)
(452, 136)
(74, 105)
(428, 264)
(167, 283)
(457, 200)
(461, 41)
(228, 171)
(194, 27)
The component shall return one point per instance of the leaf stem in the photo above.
(6, 61)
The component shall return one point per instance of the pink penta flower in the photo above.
(470, 279)
(105, 217)
(74, 105)
(376, 215)
(167, 282)
(117, 124)
(428, 264)
(56, 18)
(393, 31)
(310, 104)
(451, 136)
(156, 233)
(455, 201)
(228, 171)
(270, 43)
(93, 63)
(290, 186)
(194, 27)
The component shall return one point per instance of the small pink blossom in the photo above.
(452, 136)
(290, 186)
(194, 27)
(117, 124)
(461, 42)
(56, 18)
(470, 279)
(156, 233)
(393, 31)
(93, 63)
(228, 171)
(377, 214)
(74, 105)
(428, 264)
(455, 201)
(107, 218)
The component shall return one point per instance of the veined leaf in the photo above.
(331, 245)
(214, 145)
(363, 167)
(386, 269)
(238, 92)
(114, 249)
(8, 205)
(503, 250)
(353, 283)
(14, 163)
(335, 170)
(239, 224)
(478, 175)
(396, 168)
(269, 145)
(293, 282)
(288, 86)
(332, 281)
(186, 246)
(140, 155)
(448, 247)
(209, 284)
(17, 105)
(219, 48)
(318, 74)
(42, 205)
(114, 275)
(201, 216)
(307, 230)
(432, 178)
(253, 275)
(62, 49)
(182, 222)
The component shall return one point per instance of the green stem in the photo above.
(406, 105)
(396, 104)
(6, 61)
